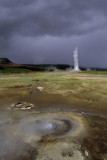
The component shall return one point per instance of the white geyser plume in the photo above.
(76, 64)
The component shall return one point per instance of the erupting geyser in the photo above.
(76, 64)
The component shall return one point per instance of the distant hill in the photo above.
(5, 61)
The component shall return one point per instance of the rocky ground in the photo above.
(36, 125)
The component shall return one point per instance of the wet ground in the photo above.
(55, 131)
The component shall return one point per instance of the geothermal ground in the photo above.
(53, 116)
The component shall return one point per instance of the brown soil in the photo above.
(95, 139)
(28, 93)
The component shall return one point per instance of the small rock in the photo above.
(31, 105)
(40, 88)
(21, 105)
(26, 108)
(18, 105)
(86, 153)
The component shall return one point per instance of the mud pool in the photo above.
(64, 133)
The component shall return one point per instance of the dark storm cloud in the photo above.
(22, 22)
(51, 17)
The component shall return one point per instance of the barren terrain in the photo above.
(68, 120)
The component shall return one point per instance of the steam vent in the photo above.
(55, 125)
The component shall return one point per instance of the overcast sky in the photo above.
(47, 31)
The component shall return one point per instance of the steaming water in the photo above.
(44, 125)
(37, 128)
(16, 132)
(48, 126)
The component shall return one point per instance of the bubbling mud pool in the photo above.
(54, 127)
(30, 129)
(55, 124)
